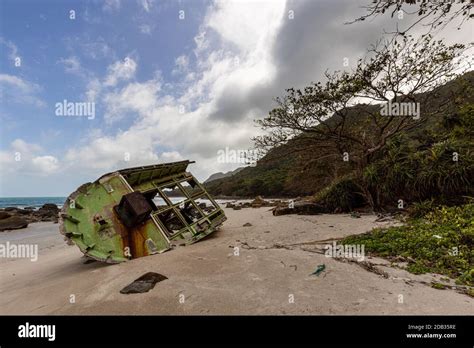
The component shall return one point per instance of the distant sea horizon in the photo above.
(38, 202)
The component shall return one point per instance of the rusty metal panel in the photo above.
(133, 209)
(115, 219)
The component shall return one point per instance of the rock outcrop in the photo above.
(300, 208)
(12, 218)
(13, 223)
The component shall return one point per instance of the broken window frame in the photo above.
(177, 214)
(200, 190)
(170, 185)
(188, 198)
(206, 196)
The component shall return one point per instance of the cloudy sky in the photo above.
(169, 80)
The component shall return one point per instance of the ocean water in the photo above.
(37, 202)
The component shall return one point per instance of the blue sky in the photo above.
(45, 36)
(50, 42)
(164, 88)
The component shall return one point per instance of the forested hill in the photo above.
(424, 152)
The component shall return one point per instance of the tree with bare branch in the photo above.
(344, 116)
(431, 14)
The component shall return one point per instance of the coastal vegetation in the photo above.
(345, 145)
(440, 242)
(433, 162)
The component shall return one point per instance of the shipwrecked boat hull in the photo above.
(115, 218)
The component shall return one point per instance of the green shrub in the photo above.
(441, 242)
(343, 194)
(420, 209)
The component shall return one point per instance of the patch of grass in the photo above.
(420, 209)
(467, 277)
(438, 286)
(440, 242)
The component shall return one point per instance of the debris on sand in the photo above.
(88, 261)
(355, 215)
(439, 286)
(259, 202)
(384, 217)
(143, 284)
(247, 224)
(368, 266)
(319, 269)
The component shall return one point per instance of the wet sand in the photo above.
(270, 275)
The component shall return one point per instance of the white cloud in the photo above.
(111, 5)
(13, 49)
(126, 149)
(116, 72)
(25, 158)
(171, 156)
(181, 64)
(140, 98)
(169, 128)
(145, 29)
(21, 146)
(121, 70)
(71, 65)
(96, 49)
(93, 89)
(17, 82)
(233, 78)
(91, 47)
(45, 164)
(17, 90)
(257, 23)
(146, 4)
(201, 41)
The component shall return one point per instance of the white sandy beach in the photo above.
(262, 279)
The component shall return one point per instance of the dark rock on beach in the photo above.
(4, 215)
(13, 223)
(259, 202)
(143, 284)
(22, 212)
(300, 208)
(12, 218)
(48, 212)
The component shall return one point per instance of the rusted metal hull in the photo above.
(139, 211)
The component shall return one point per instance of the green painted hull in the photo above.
(115, 218)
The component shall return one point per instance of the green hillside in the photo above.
(414, 166)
